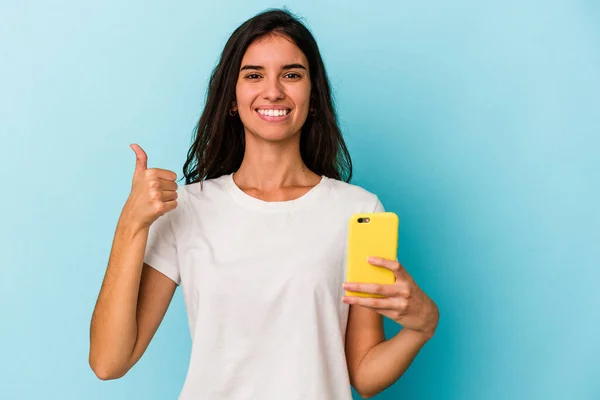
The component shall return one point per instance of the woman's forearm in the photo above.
(113, 327)
(385, 363)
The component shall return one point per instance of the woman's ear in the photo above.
(233, 106)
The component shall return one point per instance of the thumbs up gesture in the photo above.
(153, 191)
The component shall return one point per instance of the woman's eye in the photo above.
(253, 76)
(293, 75)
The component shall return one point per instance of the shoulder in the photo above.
(201, 195)
(353, 195)
(205, 190)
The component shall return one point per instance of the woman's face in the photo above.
(273, 89)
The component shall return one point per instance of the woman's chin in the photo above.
(274, 135)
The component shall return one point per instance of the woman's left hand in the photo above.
(403, 301)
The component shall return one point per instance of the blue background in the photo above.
(477, 122)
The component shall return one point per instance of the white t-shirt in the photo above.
(262, 283)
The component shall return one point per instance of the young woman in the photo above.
(256, 239)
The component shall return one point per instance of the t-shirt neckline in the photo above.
(246, 200)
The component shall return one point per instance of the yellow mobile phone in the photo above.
(371, 234)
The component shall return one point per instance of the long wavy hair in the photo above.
(219, 143)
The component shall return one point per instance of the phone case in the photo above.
(378, 237)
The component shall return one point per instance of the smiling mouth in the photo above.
(273, 115)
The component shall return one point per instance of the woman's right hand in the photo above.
(153, 192)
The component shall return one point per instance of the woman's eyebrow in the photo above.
(294, 66)
(287, 66)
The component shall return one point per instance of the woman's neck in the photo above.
(269, 166)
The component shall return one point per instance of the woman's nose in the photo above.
(273, 89)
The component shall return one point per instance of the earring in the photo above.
(313, 112)
(232, 112)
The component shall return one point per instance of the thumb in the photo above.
(141, 159)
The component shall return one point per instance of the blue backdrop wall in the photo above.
(477, 122)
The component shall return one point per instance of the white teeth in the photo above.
(273, 113)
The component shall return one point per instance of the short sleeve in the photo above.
(378, 206)
(161, 251)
